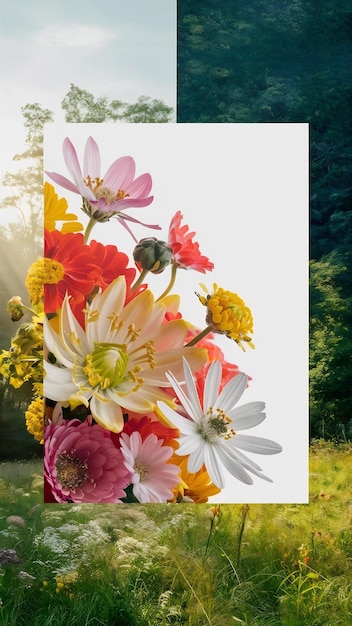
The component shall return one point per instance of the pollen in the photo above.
(141, 470)
(71, 471)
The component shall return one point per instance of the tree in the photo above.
(81, 106)
(26, 184)
(330, 342)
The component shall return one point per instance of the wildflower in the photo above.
(16, 519)
(67, 267)
(214, 513)
(26, 579)
(9, 556)
(104, 197)
(185, 252)
(227, 314)
(153, 478)
(120, 359)
(35, 419)
(55, 210)
(15, 308)
(82, 464)
(209, 429)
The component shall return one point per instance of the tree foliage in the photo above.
(289, 61)
(82, 106)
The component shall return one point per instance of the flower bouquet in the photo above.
(139, 404)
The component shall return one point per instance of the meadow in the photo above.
(197, 565)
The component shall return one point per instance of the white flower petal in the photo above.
(191, 388)
(196, 459)
(232, 392)
(185, 425)
(247, 416)
(212, 384)
(58, 383)
(232, 465)
(54, 345)
(107, 413)
(259, 445)
(212, 467)
(186, 403)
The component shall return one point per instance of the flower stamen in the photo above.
(71, 472)
(215, 426)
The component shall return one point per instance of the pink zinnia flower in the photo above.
(185, 252)
(116, 191)
(153, 477)
(82, 464)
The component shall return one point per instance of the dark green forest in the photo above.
(289, 61)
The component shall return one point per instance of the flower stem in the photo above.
(171, 283)
(28, 308)
(200, 336)
(89, 228)
(244, 513)
(139, 280)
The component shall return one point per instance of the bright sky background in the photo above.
(244, 189)
(111, 48)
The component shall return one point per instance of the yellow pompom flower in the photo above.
(55, 211)
(35, 419)
(227, 314)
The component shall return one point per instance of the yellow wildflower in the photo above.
(35, 419)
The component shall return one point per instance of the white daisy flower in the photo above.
(209, 428)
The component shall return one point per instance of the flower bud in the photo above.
(152, 255)
(14, 307)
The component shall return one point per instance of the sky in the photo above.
(243, 188)
(111, 48)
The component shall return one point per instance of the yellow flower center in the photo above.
(215, 425)
(96, 185)
(70, 471)
(142, 470)
(229, 315)
(106, 366)
(41, 272)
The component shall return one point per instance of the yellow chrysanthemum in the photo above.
(55, 211)
(196, 487)
(35, 419)
(228, 314)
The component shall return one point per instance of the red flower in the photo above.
(185, 252)
(146, 425)
(68, 268)
(112, 264)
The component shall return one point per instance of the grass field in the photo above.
(150, 565)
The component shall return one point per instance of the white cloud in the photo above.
(74, 36)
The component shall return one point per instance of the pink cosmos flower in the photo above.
(82, 464)
(116, 191)
(185, 252)
(153, 477)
